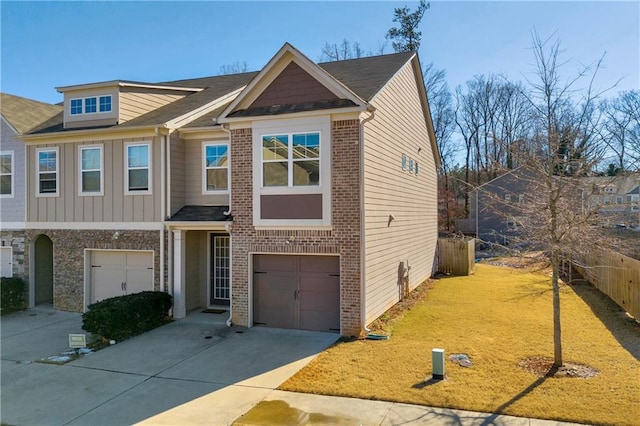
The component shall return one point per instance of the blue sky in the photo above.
(49, 44)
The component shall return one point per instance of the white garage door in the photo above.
(6, 262)
(117, 272)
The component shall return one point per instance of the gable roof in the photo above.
(24, 114)
(356, 81)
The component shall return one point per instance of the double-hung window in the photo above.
(138, 164)
(6, 174)
(47, 171)
(291, 159)
(91, 176)
(215, 167)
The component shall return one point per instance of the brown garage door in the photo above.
(297, 292)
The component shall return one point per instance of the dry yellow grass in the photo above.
(497, 317)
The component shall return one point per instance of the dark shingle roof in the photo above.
(201, 214)
(25, 114)
(364, 76)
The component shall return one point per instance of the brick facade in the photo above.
(69, 258)
(343, 239)
(15, 240)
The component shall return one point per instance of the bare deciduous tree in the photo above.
(235, 68)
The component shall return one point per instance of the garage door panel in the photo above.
(6, 262)
(111, 268)
(297, 292)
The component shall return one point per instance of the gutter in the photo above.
(229, 227)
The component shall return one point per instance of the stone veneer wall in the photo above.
(68, 258)
(15, 239)
(343, 239)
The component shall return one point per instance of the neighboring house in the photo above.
(617, 199)
(495, 208)
(300, 196)
(496, 211)
(19, 115)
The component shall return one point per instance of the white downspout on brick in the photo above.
(229, 228)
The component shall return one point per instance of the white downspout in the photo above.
(363, 301)
(163, 284)
(228, 227)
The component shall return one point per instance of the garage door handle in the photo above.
(96, 266)
(296, 295)
(334, 275)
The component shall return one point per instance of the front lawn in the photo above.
(497, 317)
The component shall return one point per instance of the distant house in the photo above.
(616, 199)
(19, 115)
(496, 209)
(300, 196)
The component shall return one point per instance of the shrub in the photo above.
(12, 292)
(121, 317)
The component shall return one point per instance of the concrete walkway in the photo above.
(190, 372)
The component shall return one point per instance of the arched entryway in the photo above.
(42, 270)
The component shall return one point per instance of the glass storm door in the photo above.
(220, 269)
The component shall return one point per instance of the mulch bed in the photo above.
(541, 366)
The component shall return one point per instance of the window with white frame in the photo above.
(90, 105)
(215, 168)
(507, 198)
(138, 168)
(6, 174)
(47, 171)
(90, 175)
(291, 159)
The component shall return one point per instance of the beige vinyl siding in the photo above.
(134, 104)
(194, 175)
(177, 152)
(398, 128)
(113, 206)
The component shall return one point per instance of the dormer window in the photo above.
(90, 105)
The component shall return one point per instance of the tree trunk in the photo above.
(557, 329)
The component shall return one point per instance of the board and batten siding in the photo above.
(113, 206)
(398, 128)
(134, 104)
(13, 207)
(177, 166)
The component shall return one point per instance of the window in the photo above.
(105, 103)
(90, 170)
(507, 198)
(416, 168)
(291, 160)
(404, 162)
(138, 162)
(618, 199)
(216, 167)
(6, 174)
(521, 198)
(606, 200)
(90, 105)
(47, 171)
(411, 165)
(76, 106)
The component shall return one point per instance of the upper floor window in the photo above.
(90, 105)
(6, 174)
(90, 170)
(76, 106)
(47, 171)
(138, 164)
(291, 160)
(507, 198)
(216, 167)
(105, 103)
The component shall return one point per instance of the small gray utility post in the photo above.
(437, 360)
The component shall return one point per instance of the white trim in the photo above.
(12, 174)
(204, 109)
(127, 190)
(199, 226)
(83, 105)
(205, 144)
(12, 225)
(288, 126)
(292, 227)
(118, 226)
(37, 169)
(99, 193)
(299, 115)
(115, 83)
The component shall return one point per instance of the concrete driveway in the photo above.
(192, 371)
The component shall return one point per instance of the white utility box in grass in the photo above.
(437, 361)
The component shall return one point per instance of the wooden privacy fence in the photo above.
(616, 275)
(456, 256)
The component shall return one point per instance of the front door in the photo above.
(219, 276)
